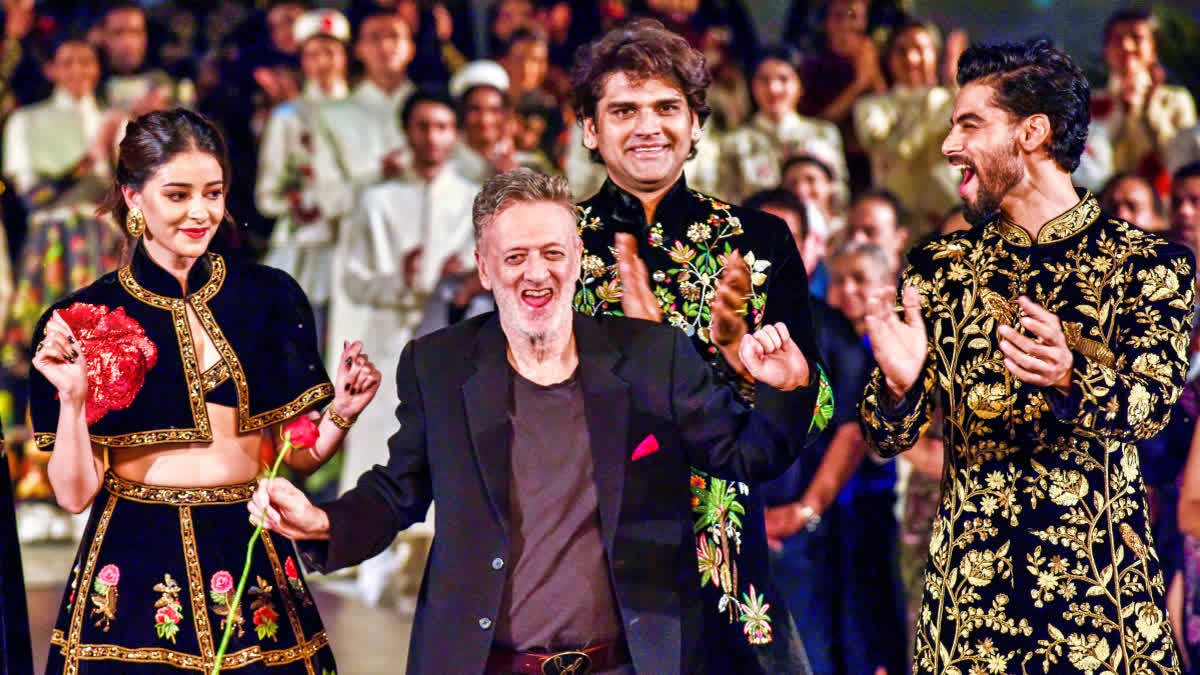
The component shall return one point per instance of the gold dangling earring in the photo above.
(135, 222)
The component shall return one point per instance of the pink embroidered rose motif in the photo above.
(104, 595)
(168, 609)
(222, 582)
(221, 592)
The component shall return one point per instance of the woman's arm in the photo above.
(75, 469)
(355, 385)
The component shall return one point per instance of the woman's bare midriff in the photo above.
(229, 458)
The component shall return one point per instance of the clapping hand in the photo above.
(899, 346)
(1044, 359)
(771, 357)
(637, 300)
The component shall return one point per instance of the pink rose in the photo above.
(109, 575)
(289, 568)
(302, 432)
(222, 582)
(166, 614)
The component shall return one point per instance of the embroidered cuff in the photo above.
(1069, 406)
(896, 411)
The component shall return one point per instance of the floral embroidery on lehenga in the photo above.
(104, 596)
(221, 592)
(168, 611)
(294, 582)
(265, 617)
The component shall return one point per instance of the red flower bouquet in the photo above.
(117, 354)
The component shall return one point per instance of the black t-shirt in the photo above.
(559, 593)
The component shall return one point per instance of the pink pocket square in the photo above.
(648, 446)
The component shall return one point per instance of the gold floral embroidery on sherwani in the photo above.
(1041, 559)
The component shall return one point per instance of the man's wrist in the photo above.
(810, 519)
(319, 527)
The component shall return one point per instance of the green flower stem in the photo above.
(237, 595)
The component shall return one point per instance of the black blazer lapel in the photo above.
(488, 395)
(606, 406)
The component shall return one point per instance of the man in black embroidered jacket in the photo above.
(655, 249)
(557, 446)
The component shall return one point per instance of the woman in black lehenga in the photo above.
(156, 387)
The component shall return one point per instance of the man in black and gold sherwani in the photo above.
(656, 249)
(1054, 336)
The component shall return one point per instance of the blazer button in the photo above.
(485, 623)
(497, 564)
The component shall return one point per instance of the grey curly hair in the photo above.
(515, 187)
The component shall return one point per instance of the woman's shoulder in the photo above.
(252, 279)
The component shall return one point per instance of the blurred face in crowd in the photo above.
(982, 142)
(528, 257)
(323, 61)
(384, 47)
(810, 244)
(1132, 200)
(643, 130)
(555, 20)
(1130, 47)
(845, 22)
(776, 88)
(432, 132)
(280, 20)
(485, 117)
(852, 279)
(511, 15)
(913, 60)
(125, 39)
(810, 183)
(527, 62)
(75, 69)
(874, 221)
(1185, 210)
(183, 203)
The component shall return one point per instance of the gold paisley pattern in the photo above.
(1041, 559)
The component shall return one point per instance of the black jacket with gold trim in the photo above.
(256, 317)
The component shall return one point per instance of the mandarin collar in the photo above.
(1064, 226)
(628, 210)
(157, 280)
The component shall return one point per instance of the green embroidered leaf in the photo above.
(218, 598)
(99, 586)
(167, 631)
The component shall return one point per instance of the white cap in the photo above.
(321, 22)
(477, 73)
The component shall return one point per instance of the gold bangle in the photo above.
(339, 421)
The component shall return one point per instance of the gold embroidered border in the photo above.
(213, 377)
(289, 603)
(191, 558)
(176, 659)
(134, 439)
(175, 496)
(187, 354)
(246, 422)
(1075, 220)
(71, 652)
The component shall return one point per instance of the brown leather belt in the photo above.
(590, 660)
